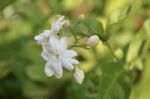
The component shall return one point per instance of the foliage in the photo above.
(124, 26)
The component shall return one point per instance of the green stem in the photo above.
(73, 33)
(79, 21)
(95, 54)
(110, 49)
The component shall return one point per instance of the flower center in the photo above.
(55, 56)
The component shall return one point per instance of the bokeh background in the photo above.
(22, 68)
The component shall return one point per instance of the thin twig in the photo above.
(110, 49)
(73, 33)
(79, 21)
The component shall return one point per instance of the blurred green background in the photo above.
(22, 68)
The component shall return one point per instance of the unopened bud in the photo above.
(66, 24)
(119, 53)
(82, 17)
(78, 75)
(93, 41)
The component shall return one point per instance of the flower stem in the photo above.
(79, 21)
(73, 33)
(111, 51)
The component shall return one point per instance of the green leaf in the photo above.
(82, 30)
(141, 89)
(36, 73)
(88, 89)
(34, 90)
(95, 27)
(117, 16)
(5, 68)
(109, 82)
(147, 27)
(136, 46)
(91, 26)
(115, 82)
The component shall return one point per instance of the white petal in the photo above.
(42, 37)
(70, 53)
(57, 69)
(39, 38)
(47, 52)
(93, 41)
(45, 55)
(67, 64)
(60, 19)
(73, 61)
(54, 30)
(57, 25)
(63, 44)
(78, 75)
(48, 70)
(46, 33)
(54, 42)
(46, 47)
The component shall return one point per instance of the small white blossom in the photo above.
(93, 41)
(57, 55)
(78, 75)
(56, 26)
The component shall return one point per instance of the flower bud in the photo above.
(78, 75)
(93, 41)
(119, 53)
(66, 24)
(82, 17)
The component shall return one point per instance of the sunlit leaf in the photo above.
(142, 88)
(117, 16)
(136, 46)
(115, 82)
(147, 27)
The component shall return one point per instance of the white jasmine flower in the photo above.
(78, 75)
(56, 26)
(57, 55)
(93, 41)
